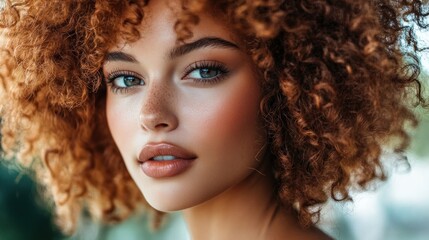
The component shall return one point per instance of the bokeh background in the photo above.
(396, 209)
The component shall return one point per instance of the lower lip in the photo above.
(162, 169)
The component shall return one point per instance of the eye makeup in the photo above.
(121, 81)
(210, 72)
(200, 72)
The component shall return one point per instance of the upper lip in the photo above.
(157, 149)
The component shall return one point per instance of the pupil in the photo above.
(208, 73)
(130, 81)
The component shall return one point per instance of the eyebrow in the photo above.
(120, 56)
(201, 43)
(179, 50)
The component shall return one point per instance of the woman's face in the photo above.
(185, 117)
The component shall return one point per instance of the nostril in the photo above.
(161, 125)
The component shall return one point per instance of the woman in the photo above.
(245, 115)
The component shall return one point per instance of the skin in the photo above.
(227, 193)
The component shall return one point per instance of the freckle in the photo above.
(159, 96)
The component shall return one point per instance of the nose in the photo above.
(157, 111)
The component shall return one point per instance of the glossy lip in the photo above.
(169, 168)
(150, 151)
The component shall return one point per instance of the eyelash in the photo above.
(123, 73)
(212, 65)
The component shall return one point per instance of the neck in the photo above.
(249, 210)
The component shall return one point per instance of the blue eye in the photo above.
(121, 81)
(126, 81)
(206, 71)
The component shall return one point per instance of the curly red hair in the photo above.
(337, 90)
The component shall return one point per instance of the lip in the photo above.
(159, 169)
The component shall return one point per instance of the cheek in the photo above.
(227, 133)
(237, 114)
(121, 122)
(230, 116)
(229, 120)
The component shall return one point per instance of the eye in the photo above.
(206, 71)
(126, 81)
(121, 81)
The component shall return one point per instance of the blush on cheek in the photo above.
(121, 122)
(113, 114)
(233, 115)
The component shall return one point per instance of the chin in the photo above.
(170, 204)
(171, 201)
